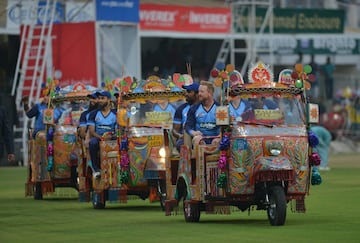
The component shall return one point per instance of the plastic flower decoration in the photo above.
(302, 74)
(226, 76)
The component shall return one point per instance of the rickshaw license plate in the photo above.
(155, 141)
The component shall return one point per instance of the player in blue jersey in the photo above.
(85, 115)
(237, 107)
(201, 118)
(101, 121)
(37, 111)
(165, 106)
(180, 117)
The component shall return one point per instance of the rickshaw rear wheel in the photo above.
(37, 191)
(276, 210)
(191, 210)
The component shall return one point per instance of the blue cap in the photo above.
(192, 87)
(104, 93)
(92, 95)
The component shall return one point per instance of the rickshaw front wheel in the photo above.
(276, 210)
(97, 201)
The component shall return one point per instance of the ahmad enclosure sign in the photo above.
(294, 20)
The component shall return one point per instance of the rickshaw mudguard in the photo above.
(187, 183)
(273, 168)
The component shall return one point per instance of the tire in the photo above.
(191, 211)
(162, 193)
(37, 191)
(276, 210)
(97, 202)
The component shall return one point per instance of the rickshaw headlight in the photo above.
(275, 151)
(275, 148)
(162, 152)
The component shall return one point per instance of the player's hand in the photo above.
(196, 133)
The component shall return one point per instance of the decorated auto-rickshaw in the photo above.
(264, 157)
(134, 164)
(55, 154)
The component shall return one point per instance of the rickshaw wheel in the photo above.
(97, 201)
(276, 211)
(162, 193)
(191, 212)
(37, 191)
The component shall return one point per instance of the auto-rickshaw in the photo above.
(55, 154)
(263, 158)
(134, 164)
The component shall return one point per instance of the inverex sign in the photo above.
(184, 19)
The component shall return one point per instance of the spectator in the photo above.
(328, 71)
(201, 119)
(180, 117)
(6, 136)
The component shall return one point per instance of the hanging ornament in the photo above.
(315, 159)
(313, 139)
(315, 177)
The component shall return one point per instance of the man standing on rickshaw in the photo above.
(102, 123)
(191, 96)
(201, 118)
(37, 111)
(84, 117)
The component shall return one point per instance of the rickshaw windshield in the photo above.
(279, 111)
(152, 112)
(69, 111)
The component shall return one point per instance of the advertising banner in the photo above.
(74, 53)
(29, 11)
(117, 10)
(79, 12)
(329, 44)
(184, 19)
(294, 20)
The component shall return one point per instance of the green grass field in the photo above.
(332, 215)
